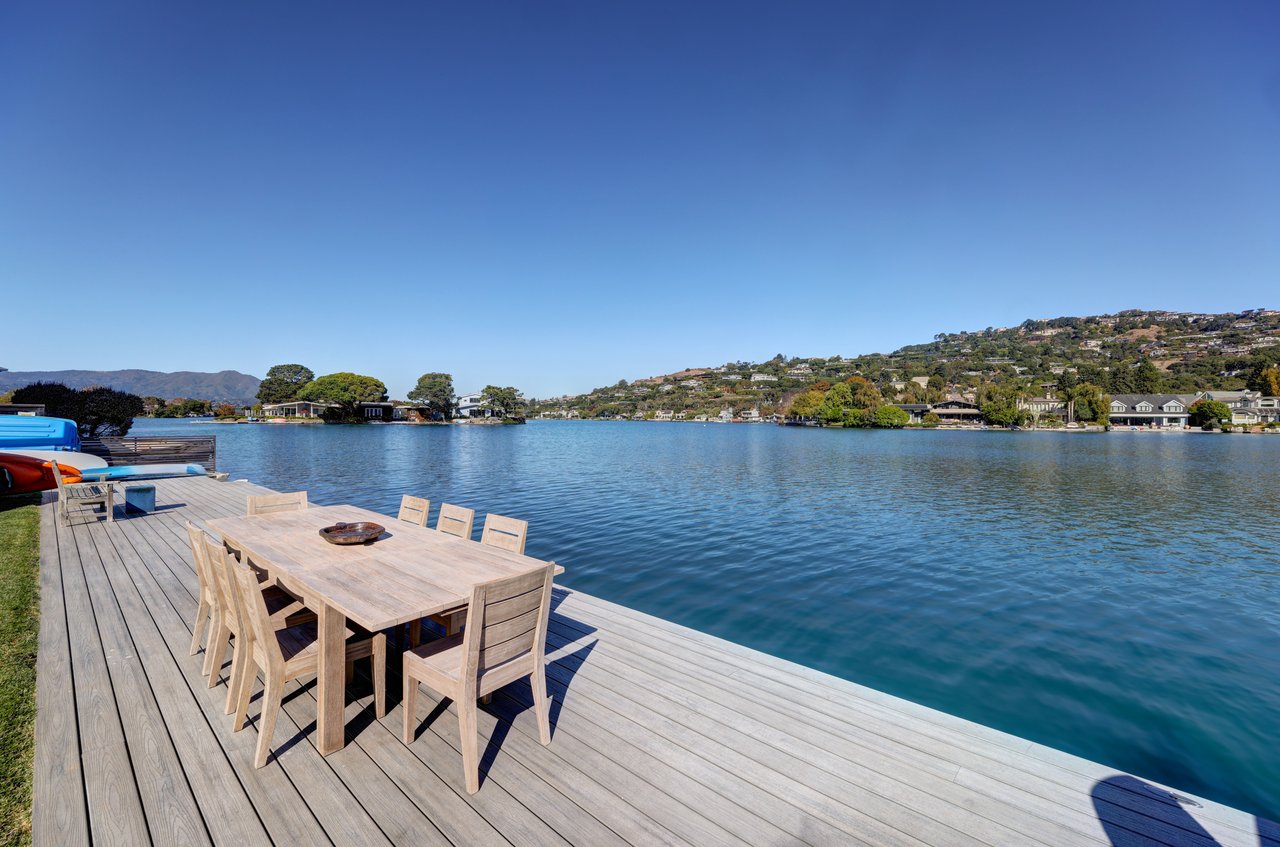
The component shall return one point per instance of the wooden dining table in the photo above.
(409, 573)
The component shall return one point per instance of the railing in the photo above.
(156, 450)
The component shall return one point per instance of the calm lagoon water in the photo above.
(1116, 596)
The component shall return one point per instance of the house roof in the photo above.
(1157, 401)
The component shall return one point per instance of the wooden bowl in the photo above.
(352, 533)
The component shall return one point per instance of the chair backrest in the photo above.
(265, 504)
(506, 620)
(200, 556)
(216, 559)
(255, 620)
(504, 532)
(57, 478)
(456, 520)
(414, 509)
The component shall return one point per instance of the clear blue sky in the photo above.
(558, 195)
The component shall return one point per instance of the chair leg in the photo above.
(239, 663)
(202, 611)
(409, 705)
(379, 660)
(215, 650)
(470, 737)
(541, 704)
(243, 693)
(271, 698)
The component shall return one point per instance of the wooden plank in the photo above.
(116, 813)
(224, 802)
(59, 813)
(1022, 779)
(172, 814)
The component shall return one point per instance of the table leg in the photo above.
(330, 725)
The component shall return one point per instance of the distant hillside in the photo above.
(1136, 351)
(223, 386)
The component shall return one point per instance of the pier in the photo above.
(661, 735)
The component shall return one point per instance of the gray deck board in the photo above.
(662, 735)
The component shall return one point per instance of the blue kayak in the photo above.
(120, 473)
(35, 433)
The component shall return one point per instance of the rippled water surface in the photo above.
(1114, 595)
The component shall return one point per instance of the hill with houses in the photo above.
(1136, 351)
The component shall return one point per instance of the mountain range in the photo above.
(223, 386)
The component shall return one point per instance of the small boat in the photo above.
(122, 473)
(36, 433)
(64, 458)
(26, 474)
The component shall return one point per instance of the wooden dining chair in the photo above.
(505, 640)
(455, 520)
(506, 533)
(281, 655)
(206, 601)
(266, 504)
(225, 620)
(414, 509)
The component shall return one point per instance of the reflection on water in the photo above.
(1110, 595)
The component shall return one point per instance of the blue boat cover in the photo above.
(121, 473)
(38, 433)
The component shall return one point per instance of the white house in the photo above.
(469, 405)
(763, 378)
(1155, 410)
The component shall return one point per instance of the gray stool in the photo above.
(139, 498)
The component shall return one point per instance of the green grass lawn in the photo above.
(19, 633)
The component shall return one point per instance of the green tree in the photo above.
(834, 403)
(345, 390)
(1145, 378)
(1003, 411)
(1092, 404)
(506, 403)
(856, 418)
(283, 383)
(1209, 413)
(224, 410)
(435, 392)
(891, 417)
(806, 405)
(107, 412)
(931, 419)
(58, 400)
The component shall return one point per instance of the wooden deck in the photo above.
(662, 735)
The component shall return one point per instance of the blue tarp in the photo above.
(17, 431)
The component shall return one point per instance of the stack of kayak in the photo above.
(29, 447)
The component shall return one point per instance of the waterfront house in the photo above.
(725, 416)
(1049, 405)
(1154, 410)
(294, 409)
(680, 416)
(663, 415)
(917, 411)
(1234, 399)
(750, 415)
(701, 418)
(469, 405)
(955, 410)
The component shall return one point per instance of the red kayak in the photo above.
(23, 474)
